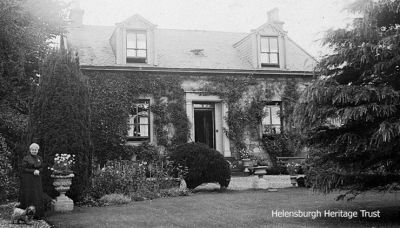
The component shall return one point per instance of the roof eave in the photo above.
(196, 70)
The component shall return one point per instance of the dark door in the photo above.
(204, 124)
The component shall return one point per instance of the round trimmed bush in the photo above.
(204, 165)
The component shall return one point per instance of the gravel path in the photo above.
(5, 222)
(36, 224)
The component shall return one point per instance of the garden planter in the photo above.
(62, 184)
(260, 170)
(246, 164)
(293, 180)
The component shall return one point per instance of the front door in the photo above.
(204, 124)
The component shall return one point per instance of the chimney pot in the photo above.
(273, 17)
(76, 14)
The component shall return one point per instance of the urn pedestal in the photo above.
(246, 164)
(260, 171)
(62, 184)
(293, 180)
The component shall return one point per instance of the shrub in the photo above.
(9, 183)
(204, 165)
(116, 178)
(145, 152)
(115, 199)
(139, 180)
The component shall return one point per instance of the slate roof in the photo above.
(175, 48)
(182, 49)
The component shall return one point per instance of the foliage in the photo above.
(8, 183)
(116, 178)
(279, 145)
(260, 160)
(204, 164)
(63, 163)
(231, 90)
(131, 179)
(115, 199)
(26, 27)
(174, 192)
(112, 95)
(59, 120)
(293, 168)
(351, 113)
(146, 152)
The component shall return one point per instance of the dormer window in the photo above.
(269, 52)
(136, 47)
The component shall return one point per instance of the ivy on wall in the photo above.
(112, 94)
(246, 98)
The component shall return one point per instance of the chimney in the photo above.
(76, 13)
(273, 17)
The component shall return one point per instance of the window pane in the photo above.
(271, 123)
(264, 58)
(267, 116)
(131, 40)
(264, 44)
(141, 53)
(275, 111)
(141, 41)
(131, 53)
(273, 44)
(139, 120)
(273, 58)
(131, 125)
(144, 130)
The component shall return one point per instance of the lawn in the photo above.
(209, 208)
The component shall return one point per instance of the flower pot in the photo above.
(62, 184)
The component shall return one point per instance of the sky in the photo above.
(305, 20)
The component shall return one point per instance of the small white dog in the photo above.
(23, 215)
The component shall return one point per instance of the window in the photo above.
(269, 51)
(136, 47)
(139, 121)
(271, 123)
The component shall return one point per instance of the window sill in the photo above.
(270, 65)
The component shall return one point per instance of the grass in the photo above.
(210, 208)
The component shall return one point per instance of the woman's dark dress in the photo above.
(31, 192)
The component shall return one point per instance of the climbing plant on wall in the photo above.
(246, 98)
(112, 94)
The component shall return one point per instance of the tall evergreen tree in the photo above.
(60, 118)
(351, 112)
(26, 26)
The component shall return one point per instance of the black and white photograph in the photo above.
(199, 113)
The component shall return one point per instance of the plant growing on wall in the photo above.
(112, 93)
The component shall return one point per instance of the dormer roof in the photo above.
(136, 21)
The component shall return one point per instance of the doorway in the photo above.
(204, 124)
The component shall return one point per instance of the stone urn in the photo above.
(260, 170)
(246, 164)
(293, 180)
(62, 184)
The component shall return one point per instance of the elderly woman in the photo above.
(31, 192)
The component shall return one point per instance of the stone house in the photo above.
(138, 47)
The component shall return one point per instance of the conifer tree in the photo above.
(351, 112)
(60, 118)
